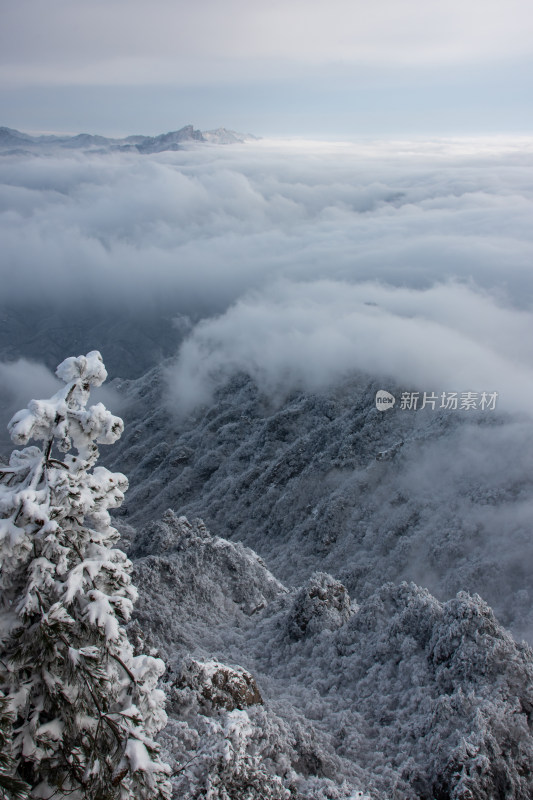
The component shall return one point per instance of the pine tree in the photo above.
(85, 709)
(10, 787)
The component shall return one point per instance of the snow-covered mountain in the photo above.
(318, 665)
(15, 142)
(225, 136)
(326, 481)
(317, 696)
(359, 681)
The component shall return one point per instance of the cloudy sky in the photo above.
(287, 67)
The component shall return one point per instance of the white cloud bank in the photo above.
(204, 225)
(407, 259)
(311, 335)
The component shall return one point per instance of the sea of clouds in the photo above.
(295, 261)
(300, 263)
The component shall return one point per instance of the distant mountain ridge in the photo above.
(13, 141)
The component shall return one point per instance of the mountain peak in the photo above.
(172, 140)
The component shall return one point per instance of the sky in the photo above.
(345, 68)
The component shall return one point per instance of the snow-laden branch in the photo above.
(67, 668)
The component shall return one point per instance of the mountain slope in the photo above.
(325, 481)
(400, 696)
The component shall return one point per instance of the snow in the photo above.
(65, 660)
(89, 368)
(299, 483)
(394, 694)
(138, 756)
(51, 730)
(100, 612)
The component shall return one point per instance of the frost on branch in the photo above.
(84, 709)
(10, 787)
(64, 419)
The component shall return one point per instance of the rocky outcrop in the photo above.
(219, 686)
(322, 604)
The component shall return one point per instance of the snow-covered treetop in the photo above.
(89, 368)
(34, 485)
(64, 417)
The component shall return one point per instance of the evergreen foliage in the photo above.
(84, 708)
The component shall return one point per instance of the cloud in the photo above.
(198, 228)
(294, 261)
(301, 263)
(23, 380)
(130, 42)
(312, 335)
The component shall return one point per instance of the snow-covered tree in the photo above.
(10, 787)
(84, 709)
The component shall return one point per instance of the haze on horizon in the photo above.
(290, 68)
